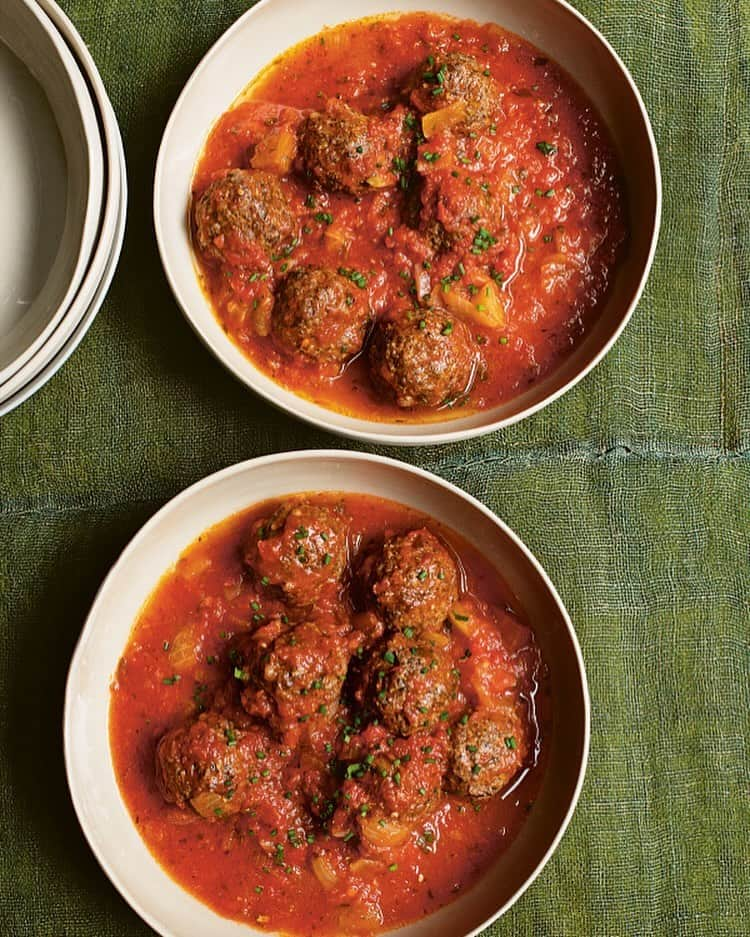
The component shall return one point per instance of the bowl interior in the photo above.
(106, 823)
(552, 26)
(93, 290)
(52, 183)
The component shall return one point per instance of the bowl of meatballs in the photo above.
(325, 692)
(411, 227)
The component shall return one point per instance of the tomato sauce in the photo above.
(177, 656)
(545, 161)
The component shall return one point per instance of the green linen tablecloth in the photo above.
(633, 492)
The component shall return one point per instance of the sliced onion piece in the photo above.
(338, 239)
(367, 868)
(276, 152)
(463, 618)
(484, 304)
(360, 918)
(444, 119)
(182, 654)
(383, 832)
(325, 872)
(210, 805)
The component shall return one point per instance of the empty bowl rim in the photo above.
(105, 259)
(86, 233)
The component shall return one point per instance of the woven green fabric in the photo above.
(633, 492)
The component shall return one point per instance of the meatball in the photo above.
(410, 684)
(346, 151)
(301, 550)
(215, 764)
(242, 210)
(413, 581)
(422, 359)
(488, 750)
(319, 314)
(291, 674)
(456, 79)
(388, 781)
(452, 214)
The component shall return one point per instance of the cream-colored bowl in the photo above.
(53, 181)
(271, 27)
(69, 332)
(169, 909)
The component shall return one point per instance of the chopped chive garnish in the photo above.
(357, 278)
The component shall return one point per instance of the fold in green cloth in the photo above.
(632, 491)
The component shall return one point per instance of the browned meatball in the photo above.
(240, 211)
(413, 581)
(217, 756)
(388, 780)
(452, 215)
(456, 79)
(488, 750)
(346, 151)
(410, 684)
(424, 358)
(320, 314)
(301, 550)
(291, 674)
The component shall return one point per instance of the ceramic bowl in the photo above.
(69, 332)
(169, 909)
(53, 181)
(87, 304)
(270, 28)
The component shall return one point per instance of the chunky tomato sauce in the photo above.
(532, 197)
(327, 876)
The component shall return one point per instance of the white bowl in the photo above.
(159, 900)
(88, 303)
(52, 157)
(271, 27)
(66, 337)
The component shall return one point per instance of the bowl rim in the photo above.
(106, 255)
(88, 233)
(324, 417)
(181, 500)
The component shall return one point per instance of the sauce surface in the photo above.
(282, 860)
(530, 197)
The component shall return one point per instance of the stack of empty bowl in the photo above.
(63, 192)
